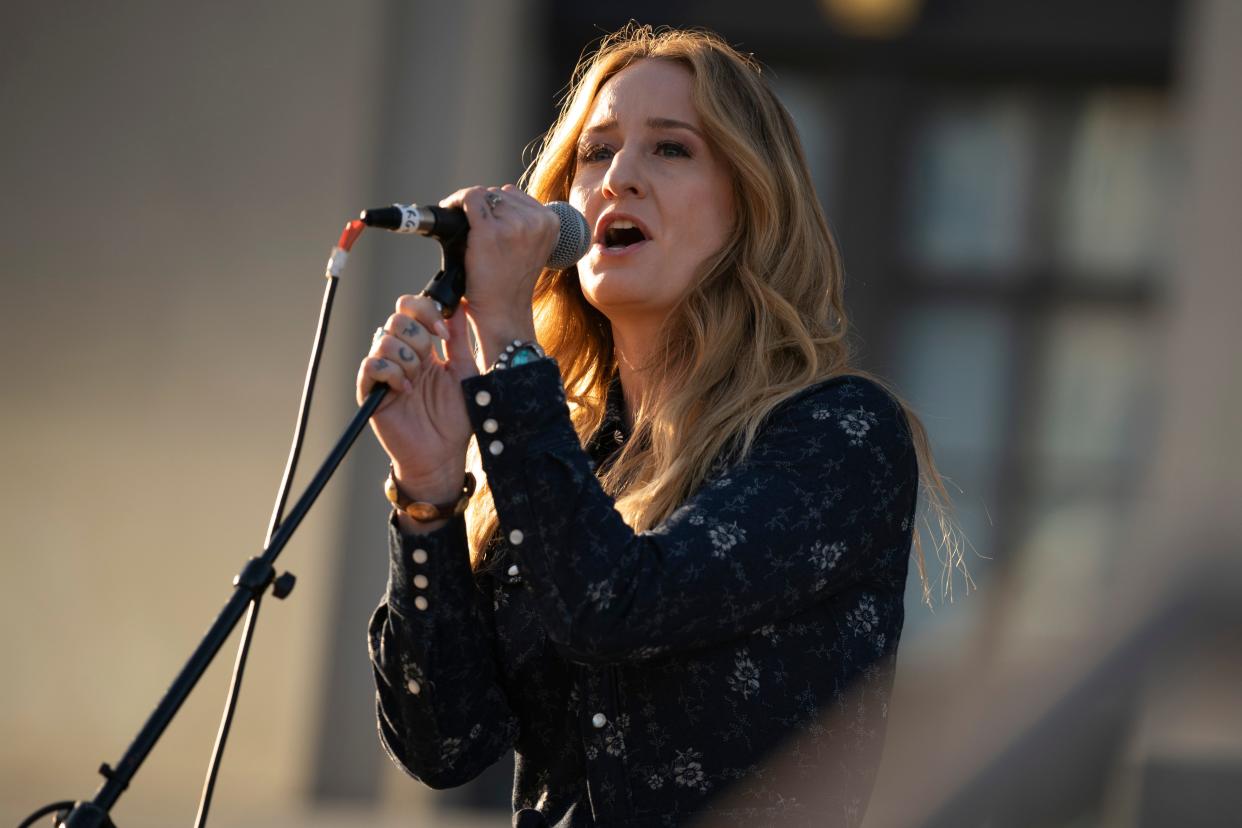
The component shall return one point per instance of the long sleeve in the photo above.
(442, 714)
(824, 500)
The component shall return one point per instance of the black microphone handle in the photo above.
(436, 222)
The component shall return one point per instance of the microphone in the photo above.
(448, 225)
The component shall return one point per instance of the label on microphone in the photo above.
(411, 218)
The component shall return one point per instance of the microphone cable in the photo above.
(284, 583)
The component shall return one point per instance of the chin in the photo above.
(619, 293)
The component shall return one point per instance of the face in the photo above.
(657, 198)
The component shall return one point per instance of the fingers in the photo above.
(460, 355)
(422, 310)
(376, 370)
(407, 340)
(456, 199)
(514, 213)
(512, 191)
(476, 205)
(410, 333)
(388, 347)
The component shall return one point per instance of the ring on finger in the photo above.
(493, 199)
(378, 335)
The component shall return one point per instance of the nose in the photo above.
(623, 176)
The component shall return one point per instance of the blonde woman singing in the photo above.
(691, 549)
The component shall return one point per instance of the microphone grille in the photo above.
(575, 237)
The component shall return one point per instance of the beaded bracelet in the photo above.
(518, 352)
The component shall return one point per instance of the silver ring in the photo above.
(379, 334)
(493, 199)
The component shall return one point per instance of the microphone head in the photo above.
(575, 237)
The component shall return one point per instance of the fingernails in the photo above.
(408, 386)
(442, 329)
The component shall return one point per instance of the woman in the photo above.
(693, 542)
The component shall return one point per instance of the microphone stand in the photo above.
(259, 572)
(249, 584)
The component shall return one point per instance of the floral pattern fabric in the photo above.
(732, 665)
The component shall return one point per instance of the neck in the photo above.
(632, 342)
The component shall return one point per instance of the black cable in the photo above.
(249, 586)
(282, 496)
(308, 392)
(226, 720)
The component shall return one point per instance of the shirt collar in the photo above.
(612, 433)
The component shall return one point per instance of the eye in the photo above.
(672, 149)
(589, 153)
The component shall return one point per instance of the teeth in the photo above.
(621, 233)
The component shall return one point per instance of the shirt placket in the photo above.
(603, 740)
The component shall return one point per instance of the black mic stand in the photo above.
(253, 580)
(446, 287)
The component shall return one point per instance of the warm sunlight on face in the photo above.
(657, 198)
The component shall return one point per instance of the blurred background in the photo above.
(1038, 204)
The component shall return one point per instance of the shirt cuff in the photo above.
(428, 571)
(521, 421)
(516, 411)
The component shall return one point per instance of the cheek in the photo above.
(578, 198)
(709, 205)
(723, 207)
(706, 234)
(710, 227)
(581, 190)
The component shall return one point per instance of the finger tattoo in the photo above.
(406, 354)
(412, 329)
(381, 364)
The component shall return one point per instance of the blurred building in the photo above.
(1036, 203)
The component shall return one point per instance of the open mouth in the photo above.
(620, 234)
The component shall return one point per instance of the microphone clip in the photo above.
(449, 285)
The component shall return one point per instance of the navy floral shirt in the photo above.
(731, 665)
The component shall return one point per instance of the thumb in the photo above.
(461, 357)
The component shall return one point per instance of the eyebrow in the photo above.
(655, 123)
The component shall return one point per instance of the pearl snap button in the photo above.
(414, 687)
(420, 581)
(420, 556)
(599, 720)
(490, 425)
(483, 398)
(513, 571)
(516, 536)
(420, 603)
(496, 447)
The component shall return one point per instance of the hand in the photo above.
(422, 423)
(509, 243)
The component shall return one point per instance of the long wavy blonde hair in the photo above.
(764, 318)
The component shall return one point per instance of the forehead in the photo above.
(648, 88)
